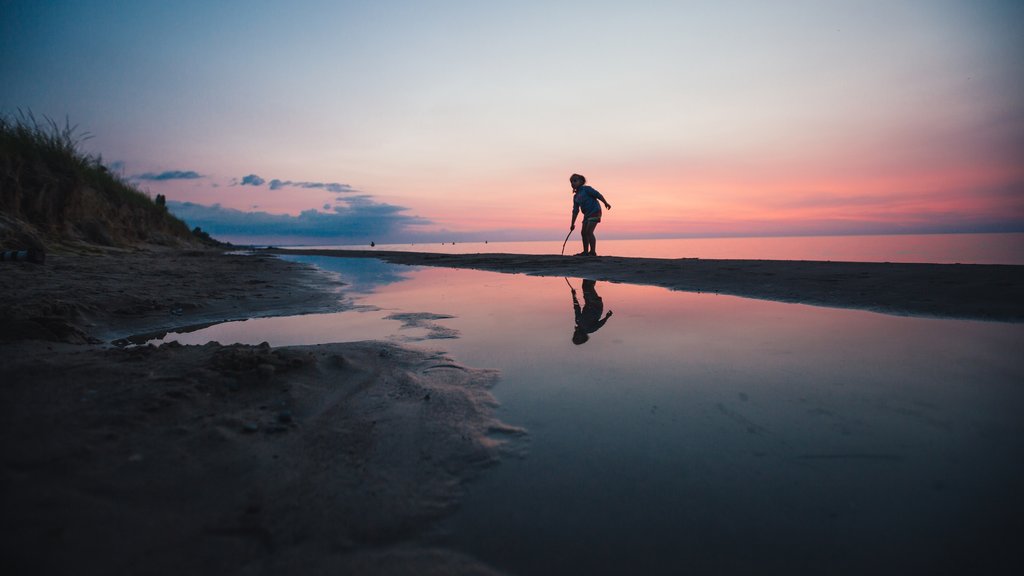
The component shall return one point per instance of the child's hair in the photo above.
(580, 177)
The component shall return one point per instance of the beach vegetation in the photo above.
(52, 190)
(202, 234)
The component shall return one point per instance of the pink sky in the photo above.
(465, 119)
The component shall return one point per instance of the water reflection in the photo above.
(361, 275)
(588, 318)
(721, 434)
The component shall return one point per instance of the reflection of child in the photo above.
(588, 319)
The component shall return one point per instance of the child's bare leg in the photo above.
(589, 240)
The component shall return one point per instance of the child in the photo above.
(585, 199)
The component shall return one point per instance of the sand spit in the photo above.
(213, 459)
(970, 291)
(98, 297)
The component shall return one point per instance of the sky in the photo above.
(336, 122)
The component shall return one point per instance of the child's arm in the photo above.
(598, 195)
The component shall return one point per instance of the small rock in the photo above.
(250, 427)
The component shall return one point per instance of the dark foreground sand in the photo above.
(985, 292)
(216, 459)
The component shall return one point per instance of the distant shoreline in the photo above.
(967, 291)
(963, 248)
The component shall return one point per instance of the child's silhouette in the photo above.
(588, 319)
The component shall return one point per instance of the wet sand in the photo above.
(968, 291)
(335, 458)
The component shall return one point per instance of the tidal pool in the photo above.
(673, 432)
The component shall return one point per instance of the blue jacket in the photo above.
(586, 199)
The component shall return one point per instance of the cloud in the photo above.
(339, 188)
(336, 187)
(359, 219)
(169, 175)
(277, 184)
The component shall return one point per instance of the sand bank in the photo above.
(108, 295)
(334, 458)
(986, 292)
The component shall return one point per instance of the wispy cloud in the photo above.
(329, 186)
(277, 184)
(169, 175)
(359, 219)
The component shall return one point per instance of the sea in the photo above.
(1001, 248)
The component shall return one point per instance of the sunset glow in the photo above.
(397, 121)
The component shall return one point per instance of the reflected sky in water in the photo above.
(360, 277)
(696, 432)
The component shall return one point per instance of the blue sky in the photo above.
(465, 118)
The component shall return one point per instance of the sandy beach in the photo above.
(221, 459)
(335, 457)
(290, 289)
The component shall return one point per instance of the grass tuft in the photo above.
(37, 155)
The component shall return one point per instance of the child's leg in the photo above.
(589, 240)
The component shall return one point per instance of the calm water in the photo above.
(710, 434)
(933, 248)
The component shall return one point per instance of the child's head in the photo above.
(577, 180)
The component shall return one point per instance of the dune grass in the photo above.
(40, 153)
(25, 139)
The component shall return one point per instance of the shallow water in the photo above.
(696, 432)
